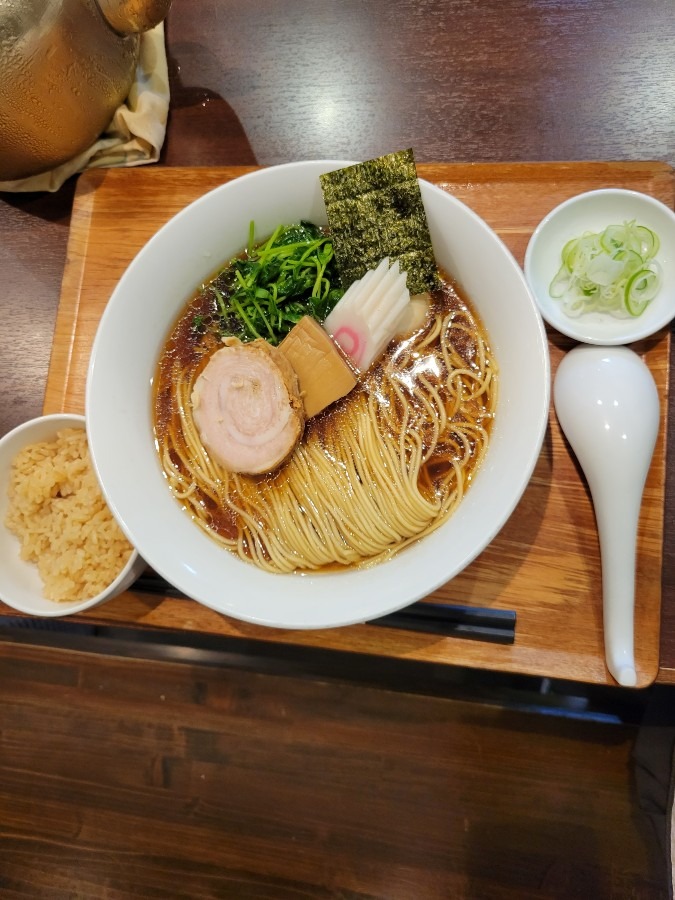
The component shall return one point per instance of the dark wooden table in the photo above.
(136, 777)
(500, 80)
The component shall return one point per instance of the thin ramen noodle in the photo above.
(375, 472)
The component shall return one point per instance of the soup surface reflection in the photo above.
(375, 472)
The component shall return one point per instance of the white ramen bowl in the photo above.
(136, 322)
(20, 583)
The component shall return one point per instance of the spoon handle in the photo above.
(617, 514)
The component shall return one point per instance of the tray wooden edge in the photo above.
(90, 181)
(71, 284)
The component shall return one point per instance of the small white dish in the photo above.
(594, 211)
(20, 583)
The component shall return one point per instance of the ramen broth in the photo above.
(427, 404)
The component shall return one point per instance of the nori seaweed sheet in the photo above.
(375, 210)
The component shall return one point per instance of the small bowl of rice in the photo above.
(61, 548)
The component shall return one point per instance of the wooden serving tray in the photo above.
(545, 562)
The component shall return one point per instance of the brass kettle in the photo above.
(65, 67)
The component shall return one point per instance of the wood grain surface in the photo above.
(500, 80)
(138, 779)
(544, 564)
(124, 779)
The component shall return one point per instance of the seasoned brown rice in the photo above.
(57, 510)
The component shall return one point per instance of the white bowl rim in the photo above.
(306, 581)
(574, 328)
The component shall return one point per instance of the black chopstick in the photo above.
(150, 583)
(448, 620)
(451, 620)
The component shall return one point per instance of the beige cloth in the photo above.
(137, 130)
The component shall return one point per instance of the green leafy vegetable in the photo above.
(198, 322)
(266, 292)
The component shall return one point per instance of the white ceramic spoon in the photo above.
(608, 406)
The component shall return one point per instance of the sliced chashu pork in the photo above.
(247, 407)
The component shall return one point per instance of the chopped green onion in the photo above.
(641, 289)
(612, 271)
